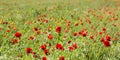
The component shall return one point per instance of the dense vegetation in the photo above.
(59, 30)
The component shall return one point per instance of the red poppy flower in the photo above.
(89, 22)
(106, 43)
(91, 37)
(75, 45)
(75, 34)
(28, 50)
(36, 29)
(61, 58)
(46, 51)
(102, 39)
(31, 38)
(76, 24)
(100, 33)
(104, 29)
(80, 33)
(8, 31)
(108, 37)
(71, 48)
(68, 24)
(14, 41)
(50, 36)
(115, 18)
(38, 32)
(46, 21)
(43, 47)
(66, 30)
(59, 46)
(58, 29)
(1, 29)
(84, 34)
(18, 34)
(115, 39)
(44, 58)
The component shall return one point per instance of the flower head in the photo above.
(61, 58)
(59, 46)
(28, 50)
(71, 48)
(50, 36)
(106, 43)
(44, 58)
(43, 47)
(18, 34)
(58, 29)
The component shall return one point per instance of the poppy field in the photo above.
(59, 30)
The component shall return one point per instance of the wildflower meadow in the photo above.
(59, 29)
